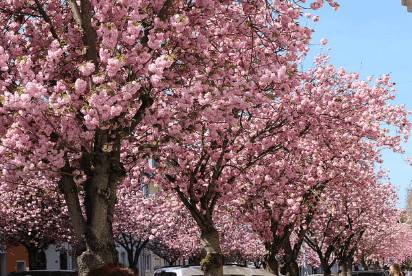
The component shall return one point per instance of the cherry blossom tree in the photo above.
(390, 240)
(408, 206)
(132, 222)
(344, 218)
(240, 244)
(220, 129)
(156, 221)
(176, 235)
(34, 215)
(340, 146)
(334, 118)
(402, 245)
(77, 79)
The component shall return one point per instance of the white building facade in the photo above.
(61, 258)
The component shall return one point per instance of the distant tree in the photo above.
(34, 215)
(408, 205)
(132, 222)
(176, 235)
(279, 194)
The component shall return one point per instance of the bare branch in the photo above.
(76, 12)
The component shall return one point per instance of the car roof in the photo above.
(369, 272)
(43, 272)
(228, 270)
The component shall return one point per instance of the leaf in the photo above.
(181, 18)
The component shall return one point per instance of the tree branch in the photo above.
(83, 18)
(72, 200)
(47, 19)
(76, 12)
(164, 9)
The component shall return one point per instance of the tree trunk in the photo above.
(32, 253)
(97, 252)
(273, 247)
(349, 267)
(326, 266)
(343, 269)
(133, 249)
(212, 264)
(274, 267)
(271, 262)
(35, 255)
(93, 222)
(292, 268)
(326, 270)
(291, 255)
(325, 256)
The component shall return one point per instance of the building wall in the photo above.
(60, 257)
(122, 256)
(16, 255)
(57, 258)
(149, 262)
(52, 258)
(3, 264)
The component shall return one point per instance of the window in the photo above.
(20, 266)
(41, 261)
(148, 261)
(164, 273)
(123, 258)
(73, 263)
(63, 260)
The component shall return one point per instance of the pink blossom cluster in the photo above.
(3, 60)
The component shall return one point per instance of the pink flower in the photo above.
(80, 86)
(99, 78)
(155, 80)
(110, 34)
(316, 5)
(308, 15)
(3, 59)
(113, 65)
(282, 72)
(87, 68)
(315, 18)
(324, 41)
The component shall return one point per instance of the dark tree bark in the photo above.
(133, 247)
(34, 253)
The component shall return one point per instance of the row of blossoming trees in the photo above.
(351, 227)
(356, 225)
(211, 90)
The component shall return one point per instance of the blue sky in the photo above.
(372, 37)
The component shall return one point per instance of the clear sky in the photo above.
(372, 37)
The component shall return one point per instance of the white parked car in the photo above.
(228, 270)
(368, 273)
